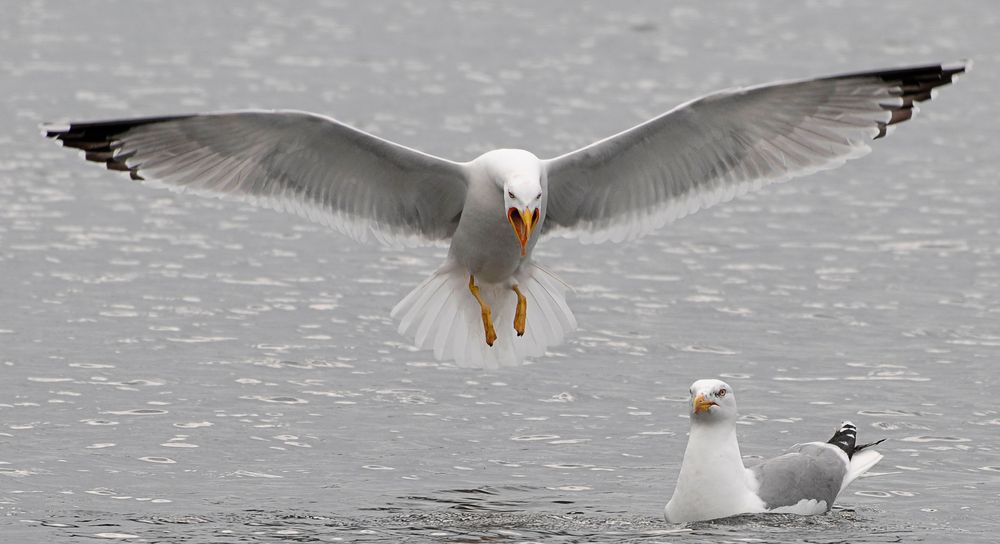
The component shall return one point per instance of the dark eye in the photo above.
(721, 393)
(510, 194)
(539, 195)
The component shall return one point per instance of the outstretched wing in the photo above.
(292, 161)
(725, 144)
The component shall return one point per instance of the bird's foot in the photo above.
(521, 315)
(491, 333)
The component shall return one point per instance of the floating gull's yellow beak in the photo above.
(701, 404)
(523, 222)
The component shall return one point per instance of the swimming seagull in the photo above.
(492, 210)
(714, 483)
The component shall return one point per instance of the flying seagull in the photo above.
(714, 483)
(490, 304)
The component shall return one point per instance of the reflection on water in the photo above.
(183, 369)
(462, 516)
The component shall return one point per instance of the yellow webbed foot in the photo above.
(491, 334)
(521, 314)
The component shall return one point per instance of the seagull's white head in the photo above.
(519, 175)
(712, 400)
(522, 200)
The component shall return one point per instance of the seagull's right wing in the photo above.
(808, 472)
(725, 144)
(293, 161)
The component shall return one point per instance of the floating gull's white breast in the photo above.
(489, 303)
(714, 483)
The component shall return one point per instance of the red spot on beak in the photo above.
(523, 222)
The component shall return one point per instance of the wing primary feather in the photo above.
(721, 145)
(313, 166)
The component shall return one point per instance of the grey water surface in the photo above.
(176, 369)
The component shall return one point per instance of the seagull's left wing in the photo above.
(311, 165)
(725, 144)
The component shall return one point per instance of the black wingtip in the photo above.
(100, 140)
(912, 85)
(919, 77)
(868, 445)
(845, 438)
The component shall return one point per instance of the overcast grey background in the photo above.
(175, 369)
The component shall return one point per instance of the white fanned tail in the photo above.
(860, 463)
(441, 314)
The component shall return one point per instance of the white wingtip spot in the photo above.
(965, 64)
(48, 128)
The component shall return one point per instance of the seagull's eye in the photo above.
(539, 195)
(509, 193)
(721, 393)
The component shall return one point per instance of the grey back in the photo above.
(807, 471)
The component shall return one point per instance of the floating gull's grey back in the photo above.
(810, 472)
(807, 472)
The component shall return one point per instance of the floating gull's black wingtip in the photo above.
(870, 444)
(845, 438)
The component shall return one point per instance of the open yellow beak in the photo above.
(701, 404)
(523, 222)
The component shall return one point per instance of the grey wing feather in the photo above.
(806, 472)
(725, 144)
(311, 165)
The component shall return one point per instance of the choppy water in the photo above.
(175, 369)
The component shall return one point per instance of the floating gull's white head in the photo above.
(519, 175)
(712, 401)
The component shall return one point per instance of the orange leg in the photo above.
(521, 315)
(491, 334)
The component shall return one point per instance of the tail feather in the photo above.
(441, 314)
(860, 464)
(435, 304)
(417, 298)
(446, 329)
(549, 321)
(552, 284)
(860, 459)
